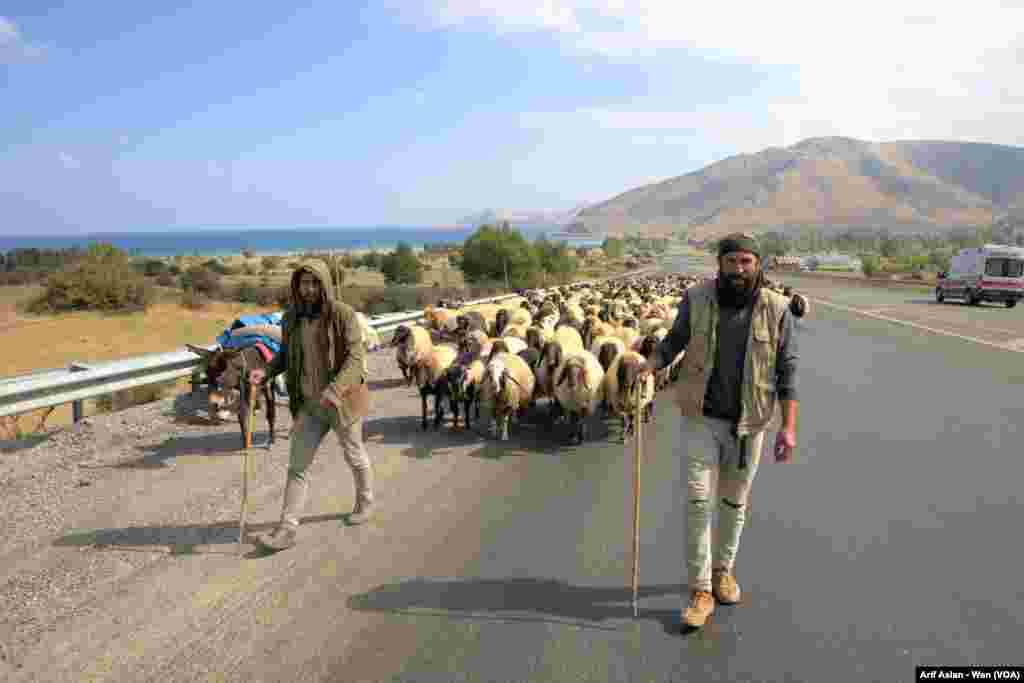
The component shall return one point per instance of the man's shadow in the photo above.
(189, 539)
(511, 600)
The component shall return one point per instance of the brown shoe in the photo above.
(363, 511)
(281, 538)
(724, 587)
(700, 607)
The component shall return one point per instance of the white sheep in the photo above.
(507, 388)
(621, 385)
(648, 325)
(414, 343)
(429, 373)
(565, 340)
(442, 319)
(508, 345)
(579, 387)
(521, 316)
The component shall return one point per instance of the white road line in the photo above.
(858, 311)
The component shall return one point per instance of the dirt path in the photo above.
(119, 553)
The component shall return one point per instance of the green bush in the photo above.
(497, 254)
(870, 264)
(202, 280)
(246, 293)
(215, 266)
(272, 262)
(401, 266)
(194, 300)
(166, 280)
(103, 280)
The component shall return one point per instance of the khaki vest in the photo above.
(758, 403)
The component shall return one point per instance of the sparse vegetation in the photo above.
(102, 279)
(401, 266)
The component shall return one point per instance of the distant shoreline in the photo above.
(276, 242)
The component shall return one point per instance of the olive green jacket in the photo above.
(758, 397)
(342, 344)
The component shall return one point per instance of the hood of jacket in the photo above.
(320, 270)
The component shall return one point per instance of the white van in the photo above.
(994, 272)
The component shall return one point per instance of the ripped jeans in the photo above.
(712, 449)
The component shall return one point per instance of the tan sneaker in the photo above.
(700, 607)
(363, 512)
(724, 586)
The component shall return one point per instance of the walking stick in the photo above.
(637, 434)
(250, 393)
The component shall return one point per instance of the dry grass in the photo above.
(44, 342)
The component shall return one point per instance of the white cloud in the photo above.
(874, 70)
(13, 46)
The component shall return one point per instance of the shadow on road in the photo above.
(220, 444)
(177, 540)
(530, 434)
(516, 600)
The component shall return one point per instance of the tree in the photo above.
(613, 247)
(103, 279)
(554, 258)
(496, 254)
(869, 264)
(401, 266)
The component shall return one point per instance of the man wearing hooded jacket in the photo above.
(739, 368)
(323, 358)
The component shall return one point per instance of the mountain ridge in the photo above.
(833, 183)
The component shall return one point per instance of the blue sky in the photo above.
(143, 116)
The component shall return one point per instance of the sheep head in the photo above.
(647, 346)
(552, 354)
(500, 321)
(402, 332)
(606, 354)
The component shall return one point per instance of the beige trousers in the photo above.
(712, 449)
(311, 425)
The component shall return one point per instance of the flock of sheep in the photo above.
(580, 347)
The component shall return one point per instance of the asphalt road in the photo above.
(892, 541)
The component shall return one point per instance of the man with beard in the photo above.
(740, 365)
(323, 357)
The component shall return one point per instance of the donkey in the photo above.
(226, 370)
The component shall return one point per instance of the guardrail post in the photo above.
(77, 406)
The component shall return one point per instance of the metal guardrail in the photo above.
(82, 381)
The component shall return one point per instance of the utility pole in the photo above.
(507, 287)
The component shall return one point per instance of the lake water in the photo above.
(278, 241)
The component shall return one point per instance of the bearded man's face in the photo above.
(739, 271)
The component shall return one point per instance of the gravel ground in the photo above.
(89, 506)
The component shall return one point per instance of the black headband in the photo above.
(739, 242)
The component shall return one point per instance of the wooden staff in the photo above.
(637, 427)
(250, 393)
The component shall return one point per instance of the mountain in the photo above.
(524, 216)
(832, 183)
